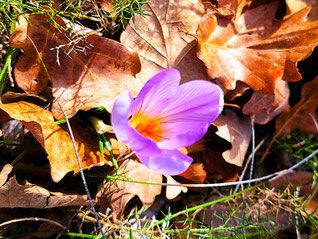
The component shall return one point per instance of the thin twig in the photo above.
(289, 170)
(313, 119)
(253, 148)
(81, 172)
(32, 219)
(270, 176)
(247, 163)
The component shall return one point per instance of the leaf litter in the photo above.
(240, 45)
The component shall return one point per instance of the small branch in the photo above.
(32, 219)
(247, 163)
(253, 148)
(273, 175)
(81, 172)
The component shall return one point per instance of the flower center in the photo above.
(148, 127)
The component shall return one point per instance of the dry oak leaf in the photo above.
(27, 195)
(303, 115)
(161, 39)
(87, 72)
(56, 142)
(295, 6)
(266, 107)
(116, 196)
(237, 131)
(173, 191)
(256, 48)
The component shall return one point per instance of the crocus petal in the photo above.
(169, 162)
(195, 106)
(120, 114)
(125, 132)
(157, 93)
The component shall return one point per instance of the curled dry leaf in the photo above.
(162, 41)
(256, 48)
(56, 142)
(266, 107)
(117, 194)
(27, 195)
(303, 115)
(87, 71)
(237, 131)
(6, 170)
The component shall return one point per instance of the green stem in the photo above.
(168, 218)
(125, 179)
(20, 156)
(101, 146)
(110, 150)
(3, 74)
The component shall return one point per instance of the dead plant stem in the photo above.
(81, 172)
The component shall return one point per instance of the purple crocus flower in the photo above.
(164, 117)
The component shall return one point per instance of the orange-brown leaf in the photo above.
(88, 72)
(195, 173)
(256, 48)
(56, 142)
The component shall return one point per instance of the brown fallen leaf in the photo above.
(6, 170)
(27, 195)
(225, 149)
(87, 72)
(295, 6)
(162, 41)
(240, 89)
(227, 8)
(256, 48)
(303, 115)
(117, 194)
(222, 150)
(173, 191)
(266, 107)
(295, 178)
(56, 141)
(217, 168)
(106, 5)
(237, 131)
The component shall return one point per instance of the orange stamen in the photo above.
(148, 127)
